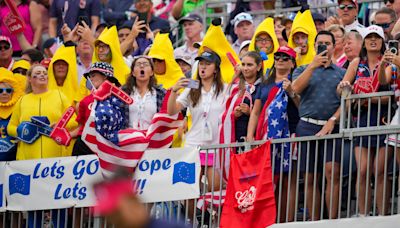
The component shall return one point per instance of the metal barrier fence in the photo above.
(298, 197)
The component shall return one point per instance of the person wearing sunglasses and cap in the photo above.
(347, 16)
(385, 18)
(6, 52)
(370, 150)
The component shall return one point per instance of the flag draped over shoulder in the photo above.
(267, 26)
(162, 49)
(227, 128)
(116, 147)
(273, 123)
(303, 22)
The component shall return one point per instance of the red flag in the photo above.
(250, 200)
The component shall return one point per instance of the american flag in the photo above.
(124, 148)
(227, 128)
(274, 124)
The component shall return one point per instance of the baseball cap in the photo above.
(353, 1)
(6, 39)
(242, 17)
(318, 17)
(289, 18)
(191, 17)
(109, 193)
(181, 55)
(287, 50)
(244, 44)
(373, 29)
(209, 56)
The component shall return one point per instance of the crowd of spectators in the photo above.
(72, 47)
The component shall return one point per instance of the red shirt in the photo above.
(85, 107)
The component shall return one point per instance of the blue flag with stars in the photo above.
(184, 172)
(19, 183)
(278, 127)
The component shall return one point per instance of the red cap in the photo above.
(6, 38)
(45, 62)
(354, 2)
(109, 193)
(287, 50)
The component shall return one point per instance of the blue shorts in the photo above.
(308, 151)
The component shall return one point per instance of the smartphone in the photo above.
(83, 18)
(321, 48)
(193, 84)
(143, 17)
(393, 46)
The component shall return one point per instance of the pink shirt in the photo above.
(25, 14)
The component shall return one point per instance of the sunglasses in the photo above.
(384, 25)
(6, 90)
(283, 57)
(349, 7)
(20, 71)
(263, 40)
(386, 1)
(4, 47)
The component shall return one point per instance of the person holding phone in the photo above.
(370, 150)
(142, 86)
(319, 112)
(205, 103)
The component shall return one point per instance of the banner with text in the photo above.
(51, 183)
(168, 174)
(2, 196)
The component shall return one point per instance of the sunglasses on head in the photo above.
(6, 90)
(386, 1)
(349, 7)
(285, 58)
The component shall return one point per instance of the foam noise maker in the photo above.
(13, 21)
(60, 134)
(107, 89)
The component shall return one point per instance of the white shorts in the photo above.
(394, 139)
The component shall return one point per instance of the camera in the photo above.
(393, 46)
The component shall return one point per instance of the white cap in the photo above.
(181, 55)
(242, 17)
(244, 44)
(373, 29)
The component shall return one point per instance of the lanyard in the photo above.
(207, 103)
(141, 103)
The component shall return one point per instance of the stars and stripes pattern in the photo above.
(227, 127)
(124, 148)
(274, 124)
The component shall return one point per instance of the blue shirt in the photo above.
(319, 99)
(92, 8)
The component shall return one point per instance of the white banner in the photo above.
(2, 195)
(51, 183)
(168, 174)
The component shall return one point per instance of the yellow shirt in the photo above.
(51, 104)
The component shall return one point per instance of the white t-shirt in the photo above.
(205, 117)
(142, 110)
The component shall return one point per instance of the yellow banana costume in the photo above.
(217, 42)
(70, 86)
(162, 49)
(17, 82)
(303, 22)
(267, 26)
(121, 70)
